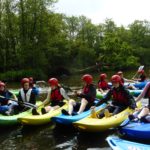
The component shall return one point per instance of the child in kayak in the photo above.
(33, 86)
(144, 113)
(26, 94)
(87, 96)
(5, 102)
(55, 97)
(102, 83)
(120, 97)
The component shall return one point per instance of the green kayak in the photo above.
(13, 120)
(16, 92)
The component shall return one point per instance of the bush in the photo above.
(18, 75)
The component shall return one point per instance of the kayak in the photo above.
(12, 120)
(68, 120)
(137, 130)
(16, 92)
(135, 93)
(138, 85)
(41, 119)
(90, 124)
(119, 144)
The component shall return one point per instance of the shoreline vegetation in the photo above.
(36, 41)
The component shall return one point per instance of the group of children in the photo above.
(117, 93)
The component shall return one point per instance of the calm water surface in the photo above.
(51, 136)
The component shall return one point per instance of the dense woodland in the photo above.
(37, 41)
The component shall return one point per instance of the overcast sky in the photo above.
(123, 12)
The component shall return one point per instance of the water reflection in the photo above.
(51, 137)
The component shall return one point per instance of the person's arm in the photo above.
(105, 99)
(47, 100)
(14, 96)
(90, 94)
(101, 90)
(64, 94)
(143, 92)
(132, 103)
(127, 80)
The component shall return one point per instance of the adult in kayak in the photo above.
(120, 97)
(123, 80)
(103, 84)
(87, 96)
(142, 76)
(141, 81)
(26, 94)
(144, 113)
(55, 97)
(5, 102)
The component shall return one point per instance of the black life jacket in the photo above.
(86, 90)
(119, 96)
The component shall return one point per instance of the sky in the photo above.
(122, 12)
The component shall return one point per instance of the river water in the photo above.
(50, 136)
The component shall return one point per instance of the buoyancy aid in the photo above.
(56, 95)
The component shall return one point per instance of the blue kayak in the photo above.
(140, 85)
(136, 130)
(119, 144)
(68, 120)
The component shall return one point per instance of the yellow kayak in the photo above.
(42, 118)
(90, 124)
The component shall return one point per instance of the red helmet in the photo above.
(119, 73)
(2, 84)
(116, 78)
(53, 82)
(87, 78)
(103, 76)
(25, 80)
(31, 79)
(140, 71)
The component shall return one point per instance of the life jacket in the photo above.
(4, 101)
(103, 85)
(25, 96)
(119, 96)
(56, 95)
(86, 90)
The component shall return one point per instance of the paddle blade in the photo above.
(140, 68)
(124, 123)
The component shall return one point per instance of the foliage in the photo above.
(35, 40)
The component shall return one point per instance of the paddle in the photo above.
(139, 69)
(24, 103)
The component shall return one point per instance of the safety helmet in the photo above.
(2, 84)
(53, 81)
(140, 71)
(103, 76)
(87, 78)
(25, 80)
(116, 78)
